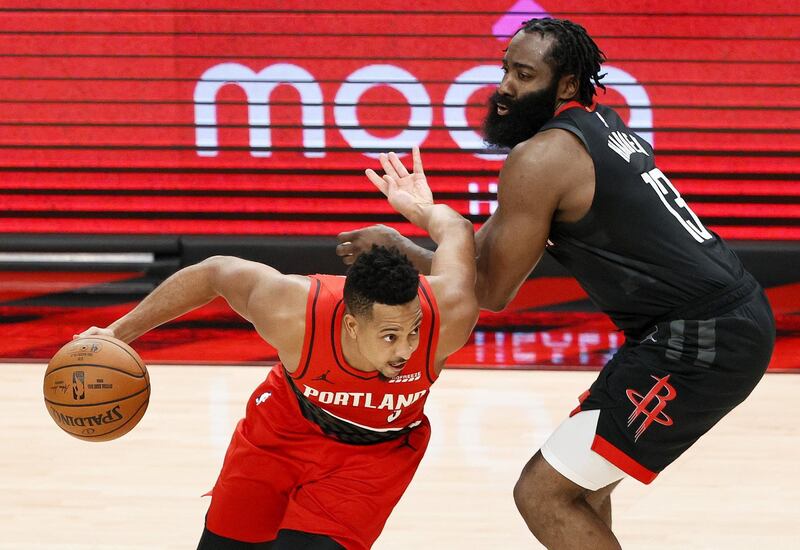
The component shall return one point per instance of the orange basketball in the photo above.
(96, 388)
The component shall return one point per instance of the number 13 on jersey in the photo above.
(676, 205)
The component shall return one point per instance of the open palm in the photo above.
(408, 193)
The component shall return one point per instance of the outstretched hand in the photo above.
(408, 193)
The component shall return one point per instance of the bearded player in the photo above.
(583, 186)
(333, 436)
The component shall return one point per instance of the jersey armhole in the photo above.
(311, 329)
(426, 294)
(570, 127)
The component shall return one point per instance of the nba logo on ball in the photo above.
(110, 388)
(78, 385)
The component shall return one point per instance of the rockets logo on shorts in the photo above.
(656, 414)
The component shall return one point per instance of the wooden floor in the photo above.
(736, 489)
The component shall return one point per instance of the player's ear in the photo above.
(567, 87)
(350, 324)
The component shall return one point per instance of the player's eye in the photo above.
(390, 338)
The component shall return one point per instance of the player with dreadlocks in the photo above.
(581, 185)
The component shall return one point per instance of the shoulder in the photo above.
(286, 294)
(278, 309)
(552, 148)
(548, 164)
(260, 279)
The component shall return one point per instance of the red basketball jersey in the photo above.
(364, 399)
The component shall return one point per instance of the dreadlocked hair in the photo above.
(381, 275)
(573, 52)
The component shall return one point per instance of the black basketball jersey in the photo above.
(640, 252)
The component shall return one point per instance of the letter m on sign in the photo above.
(258, 87)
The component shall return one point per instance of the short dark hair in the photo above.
(382, 275)
(573, 52)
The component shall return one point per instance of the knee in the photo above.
(531, 494)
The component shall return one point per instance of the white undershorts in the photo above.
(569, 451)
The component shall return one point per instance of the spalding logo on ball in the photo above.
(96, 388)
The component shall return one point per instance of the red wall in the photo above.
(99, 122)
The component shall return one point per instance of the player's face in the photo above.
(390, 336)
(527, 96)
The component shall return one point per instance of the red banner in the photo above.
(200, 117)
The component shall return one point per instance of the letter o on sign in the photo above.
(455, 107)
(398, 79)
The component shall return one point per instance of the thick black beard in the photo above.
(524, 118)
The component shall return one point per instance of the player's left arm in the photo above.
(452, 266)
(535, 178)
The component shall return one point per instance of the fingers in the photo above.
(347, 236)
(417, 160)
(391, 184)
(376, 180)
(386, 164)
(88, 332)
(345, 249)
(348, 252)
(397, 165)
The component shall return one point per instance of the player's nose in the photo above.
(505, 88)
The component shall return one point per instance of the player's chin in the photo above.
(391, 370)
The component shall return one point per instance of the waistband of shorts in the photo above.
(716, 303)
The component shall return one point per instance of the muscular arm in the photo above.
(545, 177)
(452, 266)
(452, 277)
(274, 303)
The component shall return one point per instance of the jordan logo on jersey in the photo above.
(324, 377)
(650, 337)
(625, 145)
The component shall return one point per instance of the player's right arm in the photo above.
(273, 302)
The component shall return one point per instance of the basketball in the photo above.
(96, 388)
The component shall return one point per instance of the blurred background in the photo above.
(140, 137)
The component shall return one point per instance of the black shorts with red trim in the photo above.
(669, 385)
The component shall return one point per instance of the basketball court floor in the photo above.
(736, 489)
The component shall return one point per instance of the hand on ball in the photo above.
(95, 331)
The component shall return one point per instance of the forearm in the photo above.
(446, 227)
(482, 266)
(182, 292)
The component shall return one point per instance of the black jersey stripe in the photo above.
(310, 350)
(428, 364)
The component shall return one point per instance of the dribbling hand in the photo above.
(95, 331)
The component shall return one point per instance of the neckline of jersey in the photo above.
(575, 105)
